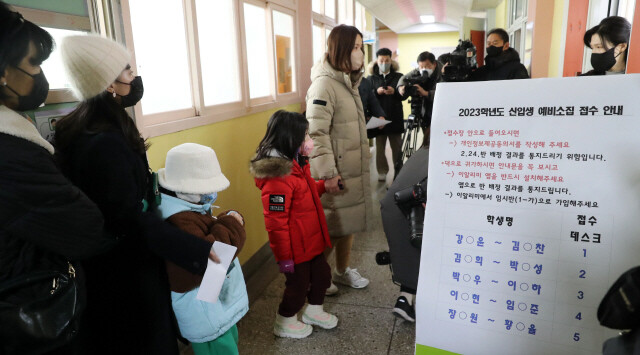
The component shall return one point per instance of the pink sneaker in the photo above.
(314, 314)
(291, 327)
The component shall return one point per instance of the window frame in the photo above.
(271, 98)
(519, 23)
(296, 51)
(61, 21)
(156, 124)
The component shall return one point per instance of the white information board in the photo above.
(533, 211)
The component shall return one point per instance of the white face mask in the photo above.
(198, 198)
(357, 59)
(193, 198)
(429, 71)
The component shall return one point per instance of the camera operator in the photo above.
(428, 74)
(384, 76)
(502, 62)
(402, 210)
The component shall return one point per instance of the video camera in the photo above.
(410, 201)
(416, 99)
(461, 62)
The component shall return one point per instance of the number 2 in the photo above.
(582, 274)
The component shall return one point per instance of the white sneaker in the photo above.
(315, 315)
(332, 290)
(291, 327)
(351, 278)
(382, 177)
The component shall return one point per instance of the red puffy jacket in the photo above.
(293, 212)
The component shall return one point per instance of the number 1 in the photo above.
(585, 252)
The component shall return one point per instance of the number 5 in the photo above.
(576, 336)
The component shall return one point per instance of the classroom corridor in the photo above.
(366, 324)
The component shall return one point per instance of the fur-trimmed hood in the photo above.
(271, 167)
(373, 67)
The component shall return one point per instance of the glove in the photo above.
(286, 266)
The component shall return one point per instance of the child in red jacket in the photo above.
(295, 222)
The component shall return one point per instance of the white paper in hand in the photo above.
(215, 274)
(376, 122)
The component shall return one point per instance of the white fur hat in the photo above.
(92, 63)
(192, 169)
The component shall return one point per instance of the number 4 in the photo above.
(579, 316)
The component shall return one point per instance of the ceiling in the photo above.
(403, 16)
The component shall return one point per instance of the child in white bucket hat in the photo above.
(190, 183)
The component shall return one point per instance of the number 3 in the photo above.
(580, 295)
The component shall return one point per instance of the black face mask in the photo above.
(37, 95)
(134, 95)
(603, 61)
(494, 51)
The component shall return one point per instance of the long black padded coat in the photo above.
(128, 298)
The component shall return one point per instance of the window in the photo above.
(204, 61)
(316, 6)
(53, 67)
(517, 29)
(324, 22)
(518, 9)
(285, 61)
(161, 55)
(318, 43)
(218, 54)
(330, 8)
(360, 23)
(257, 52)
(345, 12)
(626, 9)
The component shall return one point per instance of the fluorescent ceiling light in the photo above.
(427, 19)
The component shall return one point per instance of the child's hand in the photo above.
(237, 216)
(286, 266)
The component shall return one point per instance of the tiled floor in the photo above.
(366, 324)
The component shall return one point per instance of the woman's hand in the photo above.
(331, 185)
(214, 257)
